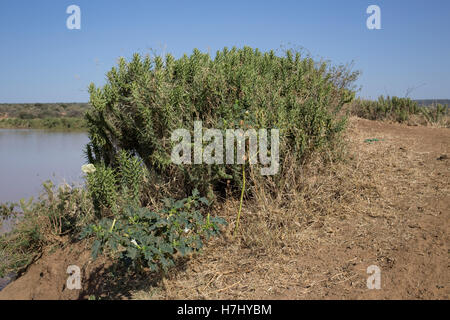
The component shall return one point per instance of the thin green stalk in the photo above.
(242, 199)
(112, 226)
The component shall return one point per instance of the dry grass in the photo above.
(420, 120)
(317, 240)
(386, 203)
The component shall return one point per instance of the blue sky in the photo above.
(43, 61)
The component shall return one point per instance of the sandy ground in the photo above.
(388, 206)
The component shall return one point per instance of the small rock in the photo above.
(443, 157)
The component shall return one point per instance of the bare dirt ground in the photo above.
(387, 205)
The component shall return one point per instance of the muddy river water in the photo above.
(30, 157)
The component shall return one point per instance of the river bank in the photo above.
(29, 157)
(389, 209)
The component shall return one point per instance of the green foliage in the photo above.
(130, 123)
(146, 99)
(130, 176)
(435, 114)
(102, 187)
(112, 188)
(6, 209)
(395, 108)
(154, 239)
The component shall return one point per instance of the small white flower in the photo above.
(186, 230)
(88, 168)
(134, 242)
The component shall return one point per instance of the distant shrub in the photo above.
(436, 114)
(75, 113)
(48, 114)
(397, 109)
(26, 115)
(392, 108)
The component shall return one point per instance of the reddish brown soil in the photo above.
(408, 238)
(389, 206)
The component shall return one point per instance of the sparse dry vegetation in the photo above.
(403, 110)
(386, 204)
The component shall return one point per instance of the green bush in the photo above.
(398, 109)
(102, 187)
(154, 239)
(391, 108)
(145, 100)
(435, 114)
(113, 188)
(130, 125)
(26, 115)
(130, 176)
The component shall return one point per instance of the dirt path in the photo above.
(405, 227)
(388, 206)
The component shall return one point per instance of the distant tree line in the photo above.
(43, 110)
(433, 102)
(61, 116)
